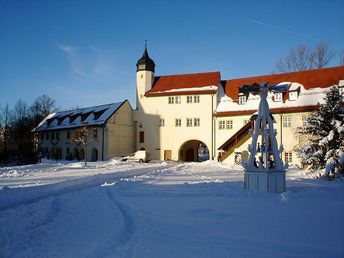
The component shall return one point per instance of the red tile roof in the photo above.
(173, 82)
(309, 79)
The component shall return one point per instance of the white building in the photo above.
(180, 116)
(113, 132)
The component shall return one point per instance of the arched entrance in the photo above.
(194, 150)
(94, 154)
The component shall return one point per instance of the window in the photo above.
(288, 157)
(305, 121)
(52, 136)
(162, 122)
(196, 99)
(286, 121)
(229, 124)
(221, 124)
(341, 90)
(278, 97)
(242, 100)
(178, 100)
(293, 95)
(68, 135)
(197, 122)
(188, 99)
(47, 136)
(42, 136)
(178, 122)
(57, 135)
(142, 137)
(246, 121)
(189, 122)
(67, 150)
(170, 100)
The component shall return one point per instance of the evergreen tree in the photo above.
(325, 135)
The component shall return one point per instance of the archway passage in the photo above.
(194, 150)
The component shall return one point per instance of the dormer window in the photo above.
(242, 100)
(278, 97)
(341, 90)
(293, 95)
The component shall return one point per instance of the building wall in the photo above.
(286, 135)
(119, 132)
(116, 138)
(158, 139)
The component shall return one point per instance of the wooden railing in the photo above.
(236, 140)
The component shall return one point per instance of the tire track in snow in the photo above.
(15, 197)
(128, 238)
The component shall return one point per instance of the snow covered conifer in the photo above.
(325, 135)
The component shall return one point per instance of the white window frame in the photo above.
(197, 122)
(170, 100)
(196, 99)
(189, 122)
(287, 121)
(288, 157)
(341, 90)
(305, 121)
(293, 95)
(278, 97)
(188, 99)
(178, 100)
(178, 122)
(222, 124)
(162, 122)
(229, 124)
(242, 100)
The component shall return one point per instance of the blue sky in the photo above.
(83, 53)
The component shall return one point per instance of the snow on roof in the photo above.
(311, 87)
(318, 78)
(97, 115)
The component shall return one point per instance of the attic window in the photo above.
(341, 90)
(72, 118)
(84, 116)
(278, 97)
(98, 114)
(49, 121)
(293, 95)
(242, 100)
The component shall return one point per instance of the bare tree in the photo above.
(341, 58)
(5, 125)
(42, 106)
(304, 58)
(322, 56)
(83, 136)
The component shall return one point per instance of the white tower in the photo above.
(145, 69)
(264, 170)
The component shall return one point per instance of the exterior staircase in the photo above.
(235, 141)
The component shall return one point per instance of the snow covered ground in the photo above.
(164, 209)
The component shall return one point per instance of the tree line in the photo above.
(16, 125)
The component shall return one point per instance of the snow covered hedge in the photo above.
(324, 131)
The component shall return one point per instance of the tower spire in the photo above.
(145, 63)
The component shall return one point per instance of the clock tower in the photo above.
(145, 68)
